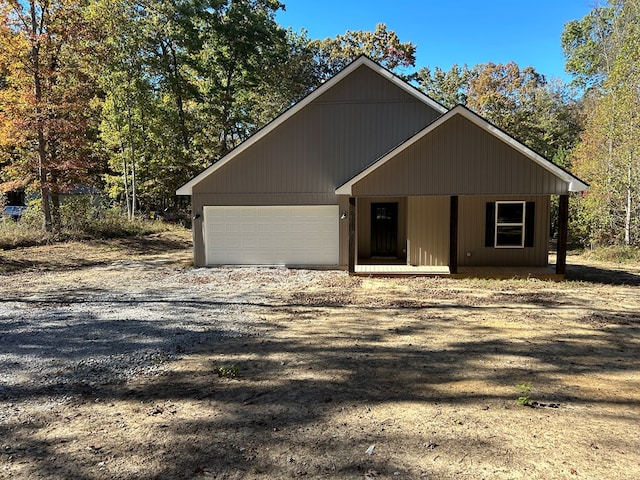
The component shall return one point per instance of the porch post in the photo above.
(453, 235)
(563, 228)
(352, 234)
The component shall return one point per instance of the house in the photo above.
(368, 173)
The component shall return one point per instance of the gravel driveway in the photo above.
(339, 377)
(127, 318)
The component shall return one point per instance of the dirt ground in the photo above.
(340, 377)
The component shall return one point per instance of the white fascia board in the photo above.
(574, 184)
(186, 189)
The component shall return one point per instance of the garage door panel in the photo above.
(271, 235)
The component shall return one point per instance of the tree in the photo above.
(590, 46)
(382, 46)
(185, 81)
(47, 120)
(541, 114)
(241, 43)
(449, 88)
(287, 80)
(608, 156)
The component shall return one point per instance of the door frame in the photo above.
(386, 232)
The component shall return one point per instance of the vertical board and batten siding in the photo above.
(364, 224)
(329, 141)
(428, 231)
(471, 234)
(459, 158)
(427, 238)
(326, 143)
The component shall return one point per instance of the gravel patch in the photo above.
(63, 342)
(129, 318)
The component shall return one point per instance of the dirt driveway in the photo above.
(119, 361)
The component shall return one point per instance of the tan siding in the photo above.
(328, 142)
(428, 231)
(459, 158)
(471, 234)
(331, 140)
(344, 232)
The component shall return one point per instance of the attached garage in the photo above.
(366, 171)
(271, 235)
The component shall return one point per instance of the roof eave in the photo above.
(573, 183)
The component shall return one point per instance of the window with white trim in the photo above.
(510, 224)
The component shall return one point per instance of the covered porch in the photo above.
(427, 236)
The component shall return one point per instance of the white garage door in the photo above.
(271, 235)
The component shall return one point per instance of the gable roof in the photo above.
(186, 189)
(574, 183)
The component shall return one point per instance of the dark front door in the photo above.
(384, 229)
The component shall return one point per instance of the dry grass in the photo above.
(425, 370)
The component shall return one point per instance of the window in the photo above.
(509, 224)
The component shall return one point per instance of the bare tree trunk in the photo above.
(55, 210)
(125, 180)
(132, 211)
(42, 148)
(176, 79)
(134, 195)
(627, 219)
(125, 166)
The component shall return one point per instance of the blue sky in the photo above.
(452, 31)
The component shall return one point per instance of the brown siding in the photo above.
(471, 231)
(459, 158)
(428, 231)
(326, 143)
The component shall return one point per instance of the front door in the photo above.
(384, 229)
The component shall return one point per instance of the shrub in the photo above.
(615, 254)
(18, 234)
(81, 218)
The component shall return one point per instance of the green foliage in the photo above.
(449, 88)
(588, 45)
(228, 371)
(539, 113)
(381, 45)
(609, 152)
(82, 218)
(524, 389)
(184, 83)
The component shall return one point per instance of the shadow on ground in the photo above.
(306, 403)
(606, 276)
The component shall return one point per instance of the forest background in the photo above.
(129, 99)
